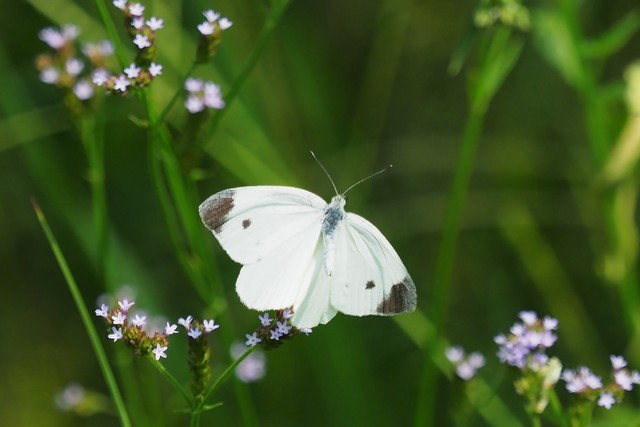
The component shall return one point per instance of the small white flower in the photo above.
(206, 28)
(225, 23)
(74, 66)
(306, 331)
(132, 71)
(194, 104)
(159, 351)
(185, 322)
(275, 334)
(52, 37)
(105, 47)
(155, 23)
(70, 31)
(121, 84)
(454, 354)
(549, 323)
(193, 85)
(264, 319)
(125, 305)
(102, 311)
(141, 41)
(213, 96)
(581, 379)
(155, 69)
(253, 367)
(209, 325)
(211, 15)
(252, 340)
(623, 379)
(287, 313)
(136, 9)
(116, 335)
(139, 320)
(528, 317)
(119, 318)
(606, 400)
(120, 4)
(465, 371)
(50, 75)
(100, 77)
(83, 90)
(283, 328)
(194, 333)
(137, 22)
(70, 397)
(617, 362)
(170, 329)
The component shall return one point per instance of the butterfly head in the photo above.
(338, 201)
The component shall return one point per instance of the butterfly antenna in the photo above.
(370, 176)
(325, 171)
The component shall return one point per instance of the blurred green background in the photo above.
(364, 84)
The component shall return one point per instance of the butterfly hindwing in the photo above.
(369, 276)
(251, 222)
(314, 307)
(283, 276)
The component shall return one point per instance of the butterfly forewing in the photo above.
(251, 222)
(369, 277)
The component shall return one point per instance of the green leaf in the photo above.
(556, 44)
(611, 41)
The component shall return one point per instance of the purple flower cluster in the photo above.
(583, 382)
(466, 364)
(525, 345)
(273, 331)
(132, 330)
(143, 70)
(211, 35)
(202, 95)
(66, 67)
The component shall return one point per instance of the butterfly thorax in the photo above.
(334, 214)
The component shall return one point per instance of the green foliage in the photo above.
(514, 187)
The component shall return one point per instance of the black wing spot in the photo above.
(402, 298)
(370, 285)
(215, 209)
(246, 223)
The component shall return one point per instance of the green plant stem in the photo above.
(600, 140)
(93, 141)
(112, 32)
(451, 228)
(499, 52)
(556, 408)
(535, 420)
(185, 223)
(195, 416)
(271, 23)
(176, 384)
(446, 253)
(161, 117)
(86, 319)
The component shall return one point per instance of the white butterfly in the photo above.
(298, 251)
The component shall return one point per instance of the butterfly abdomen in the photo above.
(334, 214)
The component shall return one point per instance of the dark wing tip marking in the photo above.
(401, 298)
(369, 285)
(246, 223)
(215, 209)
